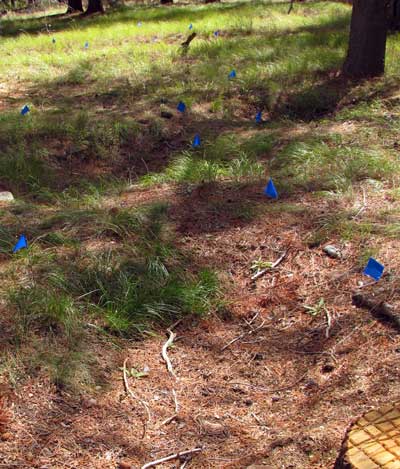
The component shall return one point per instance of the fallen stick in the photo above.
(252, 331)
(181, 455)
(260, 273)
(261, 388)
(175, 401)
(258, 420)
(185, 45)
(133, 395)
(173, 417)
(380, 310)
(363, 207)
(329, 321)
(164, 353)
(168, 420)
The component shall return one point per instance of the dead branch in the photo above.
(380, 310)
(329, 323)
(181, 456)
(264, 271)
(168, 420)
(175, 401)
(290, 7)
(364, 205)
(261, 388)
(136, 398)
(164, 353)
(186, 43)
(173, 417)
(257, 419)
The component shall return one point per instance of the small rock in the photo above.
(91, 402)
(328, 368)
(248, 402)
(124, 465)
(167, 114)
(6, 197)
(275, 398)
(239, 390)
(212, 428)
(259, 356)
(332, 251)
(311, 384)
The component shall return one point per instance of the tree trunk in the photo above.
(94, 6)
(367, 44)
(166, 2)
(74, 5)
(394, 15)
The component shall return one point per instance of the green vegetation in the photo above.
(95, 127)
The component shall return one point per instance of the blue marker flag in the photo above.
(181, 106)
(53, 40)
(270, 190)
(232, 74)
(190, 26)
(216, 33)
(373, 269)
(86, 45)
(196, 141)
(259, 117)
(21, 244)
(25, 110)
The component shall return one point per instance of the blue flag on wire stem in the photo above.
(25, 110)
(270, 190)
(374, 269)
(190, 26)
(216, 33)
(86, 46)
(21, 244)
(53, 40)
(181, 106)
(259, 117)
(232, 74)
(196, 141)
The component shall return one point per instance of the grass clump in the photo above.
(328, 165)
(126, 289)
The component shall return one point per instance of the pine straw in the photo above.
(278, 374)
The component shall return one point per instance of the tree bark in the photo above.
(394, 15)
(74, 5)
(166, 2)
(94, 6)
(367, 43)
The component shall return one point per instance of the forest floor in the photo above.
(130, 230)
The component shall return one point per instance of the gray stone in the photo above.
(332, 251)
(6, 197)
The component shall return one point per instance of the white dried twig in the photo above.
(252, 331)
(363, 206)
(180, 455)
(261, 272)
(175, 401)
(173, 417)
(257, 419)
(329, 323)
(133, 395)
(164, 353)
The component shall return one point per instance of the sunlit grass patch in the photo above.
(328, 164)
